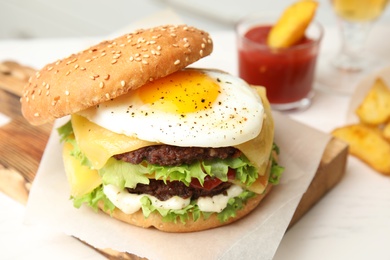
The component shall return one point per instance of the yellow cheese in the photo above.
(82, 179)
(258, 150)
(99, 144)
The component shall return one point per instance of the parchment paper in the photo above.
(257, 236)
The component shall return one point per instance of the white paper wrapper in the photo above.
(362, 89)
(257, 236)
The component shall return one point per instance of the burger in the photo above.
(155, 143)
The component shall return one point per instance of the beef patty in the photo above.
(168, 155)
(164, 191)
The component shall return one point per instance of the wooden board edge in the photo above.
(329, 173)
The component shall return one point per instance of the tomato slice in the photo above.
(211, 182)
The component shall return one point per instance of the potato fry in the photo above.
(386, 131)
(367, 144)
(291, 26)
(375, 108)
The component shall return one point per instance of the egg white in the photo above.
(235, 117)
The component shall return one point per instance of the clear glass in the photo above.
(288, 73)
(341, 73)
(355, 18)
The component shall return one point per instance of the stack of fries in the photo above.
(369, 140)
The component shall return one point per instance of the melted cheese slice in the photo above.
(99, 144)
(81, 178)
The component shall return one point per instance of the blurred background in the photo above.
(75, 18)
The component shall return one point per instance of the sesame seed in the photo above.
(145, 62)
(67, 73)
(116, 56)
(106, 77)
(82, 68)
(201, 52)
(88, 60)
(131, 58)
(49, 68)
(47, 86)
(76, 66)
(67, 92)
(47, 92)
(107, 95)
(146, 55)
(186, 45)
(101, 84)
(203, 45)
(176, 62)
(103, 54)
(36, 114)
(123, 83)
(113, 61)
(138, 59)
(92, 77)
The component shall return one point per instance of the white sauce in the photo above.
(217, 203)
(130, 203)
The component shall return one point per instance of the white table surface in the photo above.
(351, 222)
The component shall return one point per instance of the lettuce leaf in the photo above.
(170, 215)
(92, 199)
(276, 169)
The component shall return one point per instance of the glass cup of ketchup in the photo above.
(286, 73)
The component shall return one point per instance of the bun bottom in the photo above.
(155, 220)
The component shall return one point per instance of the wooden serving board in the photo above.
(22, 146)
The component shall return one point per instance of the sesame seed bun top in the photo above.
(110, 69)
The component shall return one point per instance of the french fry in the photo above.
(375, 108)
(386, 131)
(291, 26)
(367, 144)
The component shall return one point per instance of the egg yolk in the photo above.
(182, 92)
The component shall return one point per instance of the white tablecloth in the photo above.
(351, 222)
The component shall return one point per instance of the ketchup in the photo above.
(287, 74)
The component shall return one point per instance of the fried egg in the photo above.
(191, 107)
